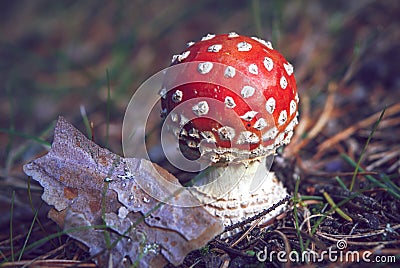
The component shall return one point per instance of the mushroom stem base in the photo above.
(239, 191)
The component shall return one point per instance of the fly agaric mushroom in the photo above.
(255, 89)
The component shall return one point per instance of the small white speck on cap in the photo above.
(214, 48)
(292, 124)
(201, 108)
(288, 137)
(248, 116)
(191, 144)
(247, 137)
(230, 102)
(247, 91)
(265, 43)
(174, 58)
(260, 124)
(244, 46)
(189, 44)
(205, 67)
(226, 133)
(270, 134)
(269, 45)
(293, 106)
(253, 68)
(183, 132)
(163, 93)
(208, 37)
(270, 105)
(194, 133)
(214, 158)
(296, 97)
(177, 96)
(232, 34)
(174, 117)
(268, 63)
(183, 56)
(279, 138)
(289, 68)
(283, 82)
(282, 118)
(208, 136)
(180, 57)
(184, 120)
(229, 72)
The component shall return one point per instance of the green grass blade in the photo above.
(372, 179)
(11, 226)
(296, 218)
(3, 256)
(337, 209)
(390, 184)
(24, 135)
(326, 214)
(59, 234)
(311, 197)
(341, 183)
(33, 208)
(29, 233)
(364, 148)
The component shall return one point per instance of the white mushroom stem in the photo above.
(239, 191)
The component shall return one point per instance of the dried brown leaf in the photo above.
(90, 186)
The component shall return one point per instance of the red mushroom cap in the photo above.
(254, 87)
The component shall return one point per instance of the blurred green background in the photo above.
(55, 55)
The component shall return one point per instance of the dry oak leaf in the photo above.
(93, 192)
